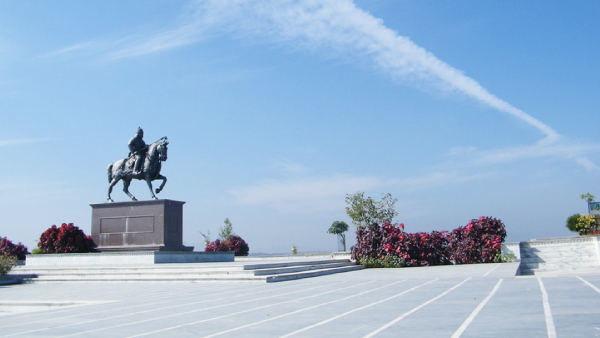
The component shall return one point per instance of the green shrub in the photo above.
(388, 261)
(584, 225)
(505, 258)
(572, 222)
(6, 264)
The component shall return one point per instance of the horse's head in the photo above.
(162, 150)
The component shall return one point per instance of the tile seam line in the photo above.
(129, 314)
(589, 284)
(301, 310)
(406, 314)
(355, 310)
(550, 329)
(475, 312)
(204, 309)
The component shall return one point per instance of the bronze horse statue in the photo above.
(124, 169)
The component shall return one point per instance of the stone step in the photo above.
(559, 254)
(291, 263)
(233, 272)
(557, 266)
(314, 273)
(270, 272)
(565, 259)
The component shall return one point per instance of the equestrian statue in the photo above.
(143, 163)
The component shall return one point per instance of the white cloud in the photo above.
(540, 149)
(70, 49)
(312, 194)
(304, 195)
(333, 25)
(15, 142)
(341, 28)
(587, 163)
(288, 167)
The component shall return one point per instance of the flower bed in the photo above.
(233, 243)
(478, 242)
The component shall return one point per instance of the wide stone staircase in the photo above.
(558, 255)
(190, 272)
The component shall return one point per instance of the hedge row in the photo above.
(478, 242)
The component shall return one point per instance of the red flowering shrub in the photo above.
(238, 245)
(478, 242)
(66, 239)
(9, 249)
(233, 243)
(417, 249)
(216, 246)
(424, 249)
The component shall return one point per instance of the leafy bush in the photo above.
(584, 225)
(388, 261)
(425, 249)
(238, 245)
(234, 243)
(417, 249)
(66, 239)
(572, 222)
(7, 263)
(505, 258)
(216, 246)
(478, 242)
(8, 248)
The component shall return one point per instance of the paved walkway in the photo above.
(483, 300)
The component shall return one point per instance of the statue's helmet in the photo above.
(140, 131)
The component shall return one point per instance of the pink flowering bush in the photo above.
(233, 243)
(9, 249)
(66, 239)
(479, 242)
(416, 249)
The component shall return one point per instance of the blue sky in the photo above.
(275, 110)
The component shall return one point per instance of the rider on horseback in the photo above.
(137, 150)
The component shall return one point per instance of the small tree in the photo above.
(338, 228)
(206, 237)
(226, 230)
(366, 211)
(588, 197)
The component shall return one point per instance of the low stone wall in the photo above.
(512, 248)
(127, 258)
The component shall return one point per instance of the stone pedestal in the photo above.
(155, 225)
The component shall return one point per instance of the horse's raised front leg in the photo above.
(149, 181)
(162, 185)
(126, 183)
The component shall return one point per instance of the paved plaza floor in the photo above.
(484, 300)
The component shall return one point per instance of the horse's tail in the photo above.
(109, 172)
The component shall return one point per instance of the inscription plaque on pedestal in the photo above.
(155, 225)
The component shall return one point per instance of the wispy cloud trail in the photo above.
(333, 25)
(341, 28)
